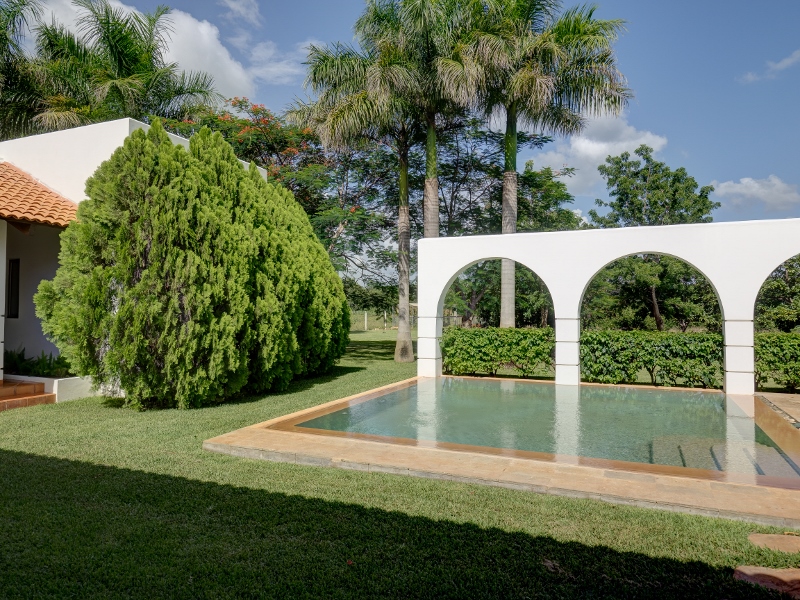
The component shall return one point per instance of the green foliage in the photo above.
(650, 292)
(648, 192)
(778, 359)
(485, 351)
(778, 303)
(46, 365)
(187, 279)
(687, 359)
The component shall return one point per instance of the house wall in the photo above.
(37, 252)
(64, 160)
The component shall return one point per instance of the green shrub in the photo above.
(689, 359)
(45, 365)
(485, 351)
(778, 359)
(187, 279)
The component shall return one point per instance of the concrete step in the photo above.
(711, 454)
(11, 387)
(26, 400)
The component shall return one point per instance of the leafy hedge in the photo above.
(778, 359)
(687, 359)
(482, 351)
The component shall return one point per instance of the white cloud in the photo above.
(773, 68)
(196, 46)
(242, 9)
(269, 65)
(606, 136)
(774, 193)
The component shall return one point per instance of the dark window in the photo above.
(12, 289)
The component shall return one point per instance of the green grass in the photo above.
(98, 501)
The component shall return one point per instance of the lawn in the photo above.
(102, 501)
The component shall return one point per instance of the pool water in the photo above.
(695, 429)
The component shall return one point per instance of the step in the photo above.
(11, 387)
(26, 400)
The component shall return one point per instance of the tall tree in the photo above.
(362, 94)
(647, 192)
(422, 31)
(539, 70)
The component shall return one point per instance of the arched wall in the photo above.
(735, 257)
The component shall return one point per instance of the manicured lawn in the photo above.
(99, 501)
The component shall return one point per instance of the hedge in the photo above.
(687, 359)
(485, 351)
(778, 359)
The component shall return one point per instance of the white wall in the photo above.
(64, 160)
(38, 254)
(735, 257)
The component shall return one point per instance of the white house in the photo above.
(42, 179)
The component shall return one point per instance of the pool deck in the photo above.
(710, 493)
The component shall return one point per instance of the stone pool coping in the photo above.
(669, 488)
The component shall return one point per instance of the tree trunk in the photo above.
(430, 198)
(656, 311)
(509, 222)
(404, 349)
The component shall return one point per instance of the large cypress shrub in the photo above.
(188, 279)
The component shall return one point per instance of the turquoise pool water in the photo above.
(696, 429)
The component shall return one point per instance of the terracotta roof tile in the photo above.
(23, 198)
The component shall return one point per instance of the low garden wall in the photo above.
(686, 359)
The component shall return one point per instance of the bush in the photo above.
(485, 351)
(46, 365)
(689, 359)
(778, 359)
(187, 279)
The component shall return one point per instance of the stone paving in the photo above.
(708, 493)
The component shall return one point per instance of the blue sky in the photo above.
(716, 84)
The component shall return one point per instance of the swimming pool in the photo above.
(698, 432)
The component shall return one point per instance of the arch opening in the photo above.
(641, 294)
(472, 298)
(777, 329)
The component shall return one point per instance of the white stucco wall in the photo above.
(735, 257)
(38, 254)
(64, 160)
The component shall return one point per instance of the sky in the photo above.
(716, 85)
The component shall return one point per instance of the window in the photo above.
(12, 289)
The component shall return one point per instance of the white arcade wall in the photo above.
(735, 257)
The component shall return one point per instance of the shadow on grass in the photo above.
(372, 350)
(298, 385)
(73, 529)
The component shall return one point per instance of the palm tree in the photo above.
(18, 97)
(114, 66)
(358, 98)
(422, 31)
(539, 70)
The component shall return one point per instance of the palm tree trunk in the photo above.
(430, 198)
(509, 218)
(403, 350)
